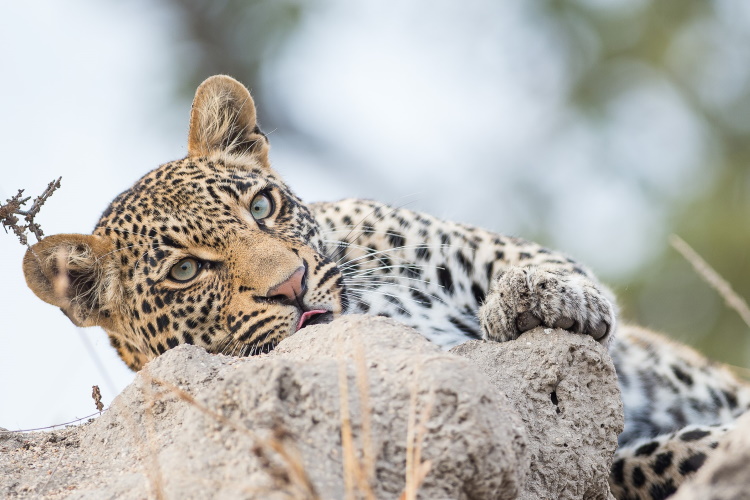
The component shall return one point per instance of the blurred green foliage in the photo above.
(687, 43)
(667, 294)
(234, 37)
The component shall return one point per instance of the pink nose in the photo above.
(292, 287)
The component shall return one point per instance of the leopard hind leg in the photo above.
(653, 469)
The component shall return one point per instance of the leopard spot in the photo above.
(692, 463)
(662, 462)
(647, 449)
(694, 435)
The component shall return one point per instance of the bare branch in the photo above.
(12, 208)
(8, 216)
(96, 394)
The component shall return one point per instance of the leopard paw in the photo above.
(522, 298)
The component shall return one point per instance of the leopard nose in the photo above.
(291, 288)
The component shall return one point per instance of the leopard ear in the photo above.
(76, 273)
(223, 119)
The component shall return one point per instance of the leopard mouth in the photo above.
(314, 317)
(307, 318)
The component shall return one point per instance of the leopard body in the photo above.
(216, 250)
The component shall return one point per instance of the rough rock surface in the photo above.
(726, 475)
(291, 423)
(565, 388)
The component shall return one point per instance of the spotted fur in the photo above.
(183, 256)
(652, 469)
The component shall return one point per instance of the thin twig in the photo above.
(732, 299)
(739, 371)
(55, 425)
(8, 213)
(297, 473)
(153, 472)
(34, 210)
(12, 208)
(51, 474)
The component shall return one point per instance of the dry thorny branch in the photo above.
(96, 394)
(10, 211)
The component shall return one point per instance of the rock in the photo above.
(726, 475)
(361, 405)
(195, 425)
(565, 388)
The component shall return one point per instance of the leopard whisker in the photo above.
(395, 282)
(360, 293)
(370, 271)
(372, 278)
(382, 217)
(358, 286)
(434, 247)
(371, 254)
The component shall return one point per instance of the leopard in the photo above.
(217, 251)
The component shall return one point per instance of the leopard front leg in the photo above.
(521, 298)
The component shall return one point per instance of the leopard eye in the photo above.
(261, 206)
(185, 270)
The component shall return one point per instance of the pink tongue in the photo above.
(307, 315)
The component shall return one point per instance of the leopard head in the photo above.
(213, 250)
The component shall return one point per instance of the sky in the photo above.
(87, 97)
(458, 113)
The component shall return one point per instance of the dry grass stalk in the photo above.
(732, 299)
(358, 475)
(293, 475)
(347, 441)
(367, 465)
(153, 472)
(422, 468)
(410, 490)
(416, 470)
(740, 371)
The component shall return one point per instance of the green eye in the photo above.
(261, 206)
(185, 270)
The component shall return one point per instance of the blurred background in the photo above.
(597, 127)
